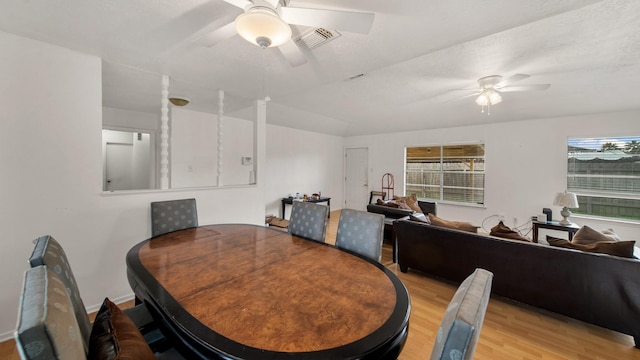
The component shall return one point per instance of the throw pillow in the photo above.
(616, 248)
(403, 205)
(456, 225)
(586, 235)
(389, 203)
(420, 217)
(503, 231)
(411, 200)
(114, 336)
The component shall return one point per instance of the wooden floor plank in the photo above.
(511, 331)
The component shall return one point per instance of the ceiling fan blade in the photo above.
(273, 3)
(292, 53)
(242, 4)
(217, 36)
(357, 22)
(524, 88)
(511, 80)
(469, 89)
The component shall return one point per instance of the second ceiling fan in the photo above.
(266, 23)
(491, 87)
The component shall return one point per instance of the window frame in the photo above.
(587, 195)
(442, 172)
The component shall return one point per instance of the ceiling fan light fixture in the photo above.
(482, 100)
(179, 101)
(494, 97)
(263, 26)
(488, 97)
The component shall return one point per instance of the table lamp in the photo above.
(567, 200)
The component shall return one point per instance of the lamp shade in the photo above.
(263, 27)
(566, 199)
(488, 97)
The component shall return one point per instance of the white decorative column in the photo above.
(164, 134)
(220, 140)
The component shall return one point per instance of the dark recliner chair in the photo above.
(428, 207)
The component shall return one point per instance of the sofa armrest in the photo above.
(387, 211)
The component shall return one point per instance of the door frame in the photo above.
(368, 177)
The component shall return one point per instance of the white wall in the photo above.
(304, 162)
(194, 149)
(133, 120)
(50, 151)
(525, 163)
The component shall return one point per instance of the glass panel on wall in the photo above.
(202, 151)
(128, 160)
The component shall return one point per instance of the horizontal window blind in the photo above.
(446, 172)
(605, 174)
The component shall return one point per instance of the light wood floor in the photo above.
(510, 331)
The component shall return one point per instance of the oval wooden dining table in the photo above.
(237, 291)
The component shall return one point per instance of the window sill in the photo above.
(152, 191)
(606, 219)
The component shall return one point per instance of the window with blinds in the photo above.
(452, 173)
(605, 174)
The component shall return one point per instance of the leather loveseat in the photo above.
(596, 288)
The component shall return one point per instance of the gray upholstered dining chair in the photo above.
(460, 327)
(309, 220)
(173, 215)
(49, 252)
(47, 327)
(361, 232)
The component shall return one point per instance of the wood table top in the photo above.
(244, 288)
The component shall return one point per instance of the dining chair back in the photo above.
(47, 327)
(361, 232)
(460, 327)
(173, 215)
(309, 220)
(49, 252)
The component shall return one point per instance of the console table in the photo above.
(290, 200)
(236, 291)
(553, 225)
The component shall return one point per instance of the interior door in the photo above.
(119, 165)
(357, 178)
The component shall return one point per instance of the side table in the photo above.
(289, 201)
(553, 225)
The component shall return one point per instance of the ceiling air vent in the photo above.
(313, 38)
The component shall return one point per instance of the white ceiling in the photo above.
(416, 53)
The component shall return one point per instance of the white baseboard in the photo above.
(7, 336)
(118, 300)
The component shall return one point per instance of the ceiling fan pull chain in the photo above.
(264, 74)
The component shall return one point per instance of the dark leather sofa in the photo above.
(596, 288)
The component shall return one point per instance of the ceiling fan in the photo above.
(491, 87)
(266, 23)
